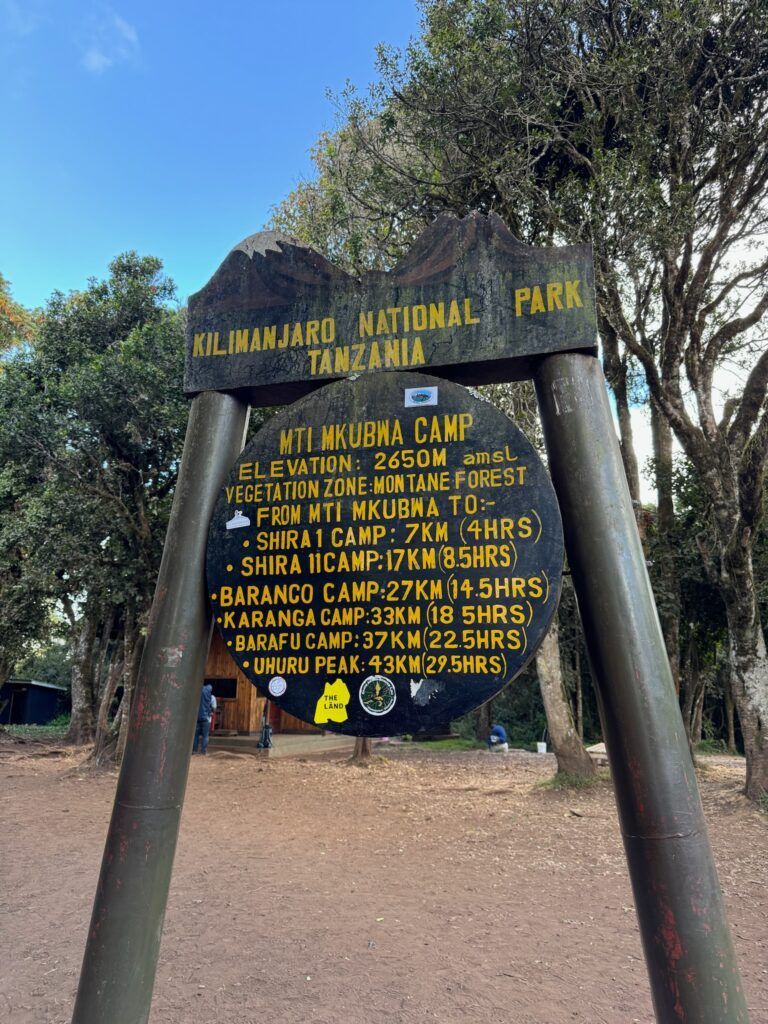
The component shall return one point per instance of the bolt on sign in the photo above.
(386, 555)
(468, 302)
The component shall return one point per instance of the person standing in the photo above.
(204, 717)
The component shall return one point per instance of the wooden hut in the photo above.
(240, 707)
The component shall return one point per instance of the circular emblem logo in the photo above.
(377, 695)
(277, 686)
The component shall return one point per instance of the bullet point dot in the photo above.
(246, 543)
(229, 643)
(218, 620)
(246, 664)
(213, 597)
(229, 568)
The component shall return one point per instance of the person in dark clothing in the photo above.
(204, 715)
(497, 741)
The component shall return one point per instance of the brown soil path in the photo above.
(429, 887)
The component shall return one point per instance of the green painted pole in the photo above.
(123, 941)
(687, 943)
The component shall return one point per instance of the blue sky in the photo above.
(168, 127)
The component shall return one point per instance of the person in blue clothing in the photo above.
(497, 741)
(204, 715)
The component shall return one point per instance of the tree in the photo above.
(572, 758)
(17, 324)
(92, 423)
(642, 129)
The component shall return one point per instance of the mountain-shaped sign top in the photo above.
(468, 302)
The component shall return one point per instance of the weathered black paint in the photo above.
(460, 559)
(270, 279)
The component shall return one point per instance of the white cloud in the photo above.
(96, 61)
(22, 19)
(128, 32)
(107, 40)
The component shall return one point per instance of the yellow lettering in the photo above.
(419, 316)
(468, 318)
(572, 297)
(366, 324)
(521, 295)
(436, 316)
(341, 360)
(554, 295)
(537, 301)
(328, 330)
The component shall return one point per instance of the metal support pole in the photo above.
(685, 934)
(123, 942)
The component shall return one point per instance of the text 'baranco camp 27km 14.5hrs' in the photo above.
(386, 555)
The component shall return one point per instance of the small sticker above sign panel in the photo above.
(468, 302)
(386, 555)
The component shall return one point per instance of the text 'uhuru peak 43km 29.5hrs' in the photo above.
(386, 555)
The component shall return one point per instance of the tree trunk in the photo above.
(616, 376)
(579, 694)
(107, 732)
(572, 758)
(749, 681)
(698, 713)
(362, 751)
(692, 682)
(133, 647)
(730, 718)
(6, 670)
(483, 727)
(103, 657)
(668, 600)
(81, 724)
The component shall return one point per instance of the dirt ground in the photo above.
(443, 887)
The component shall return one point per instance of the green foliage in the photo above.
(18, 325)
(49, 664)
(710, 746)
(455, 743)
(518, 708)
(91, 427)
(54, 731)
(640, 129)
(566, 781)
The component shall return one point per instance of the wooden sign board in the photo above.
(469, 302)
(386, 555)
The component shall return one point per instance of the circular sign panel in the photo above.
(386, 555)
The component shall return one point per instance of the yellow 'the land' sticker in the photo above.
(332, 705)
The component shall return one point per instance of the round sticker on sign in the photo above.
(378, 695)
(401, 560)
(277, 686)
